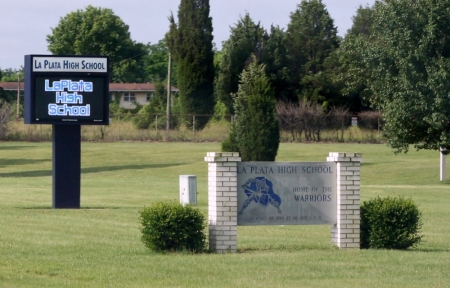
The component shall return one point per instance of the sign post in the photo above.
(66, 166)
(66, 91)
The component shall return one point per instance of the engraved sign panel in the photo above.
(286, 193)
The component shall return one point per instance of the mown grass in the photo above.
(99, 245)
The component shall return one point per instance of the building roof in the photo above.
(10, 85)
(120, 87)
(113, 87)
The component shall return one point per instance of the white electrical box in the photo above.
(188, 189)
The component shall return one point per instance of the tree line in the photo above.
(395, 59)
(297, 60)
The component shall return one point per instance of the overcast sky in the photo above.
(26, 23)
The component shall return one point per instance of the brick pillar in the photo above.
(222, 200)
(346, 232)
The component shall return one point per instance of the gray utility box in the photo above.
(188, 189)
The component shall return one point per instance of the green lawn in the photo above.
(99, 245)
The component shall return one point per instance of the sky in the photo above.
(25, 24)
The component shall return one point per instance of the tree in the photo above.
(2, 93)
(362, 21)
(255, 131)
(190, 42)
(12, 75)
(310, 38)
(347, 55)
(156, 63)
(274, 56)
(247, 38)
(405, 67)
(98, 31)
(147, 116)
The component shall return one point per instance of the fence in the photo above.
(201, 128)
(308, 122)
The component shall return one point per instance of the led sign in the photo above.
(66, 90)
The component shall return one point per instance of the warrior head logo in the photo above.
(260, 190)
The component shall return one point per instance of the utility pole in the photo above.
(18, 97)
(169, 95)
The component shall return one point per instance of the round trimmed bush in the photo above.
(390, 223)
(170, 226)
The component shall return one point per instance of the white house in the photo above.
(131, 93)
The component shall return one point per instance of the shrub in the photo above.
(229, 145)
(146, 117)
(370, 120)
(170, 226)
(6, 113)
(220, 111)
(390, 223)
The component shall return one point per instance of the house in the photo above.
(129, 93)
(11, 86)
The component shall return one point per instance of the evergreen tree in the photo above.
(255, 132)
(274, 56)
(190, 42)
(247, 38)
(310, 38)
